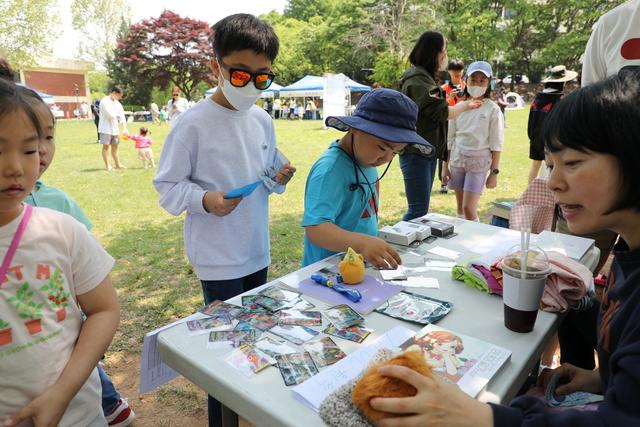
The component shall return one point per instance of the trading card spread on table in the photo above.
(324, 352)
(277, 293)
(301, 304)
(298, 317)
(273, 346)
(295, 334)
(296, 368)
(248, 360)
(218, 308)
(343, 316)
(354, 333)
(249, 304)
(208, 324)
(235, 338)
(272, 304)
(262, 321)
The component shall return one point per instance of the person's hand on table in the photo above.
(214, 202)
(572, 379)
(436, 403)
(379, 253)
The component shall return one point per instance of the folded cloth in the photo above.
(464, 274)
(570, 285)
(534, 209)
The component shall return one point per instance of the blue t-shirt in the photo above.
(328, 198)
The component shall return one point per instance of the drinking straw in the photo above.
(522, 255)
(527, 238)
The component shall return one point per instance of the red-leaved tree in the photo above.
(169, 49)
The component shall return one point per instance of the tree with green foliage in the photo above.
(26, 30)
(98, 20)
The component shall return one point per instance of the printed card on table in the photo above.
(342, 316)
(208, 324)
(262, 321)
(295, 334)
(219, 308)
(353, 333)
(296, 368)
(248, 360)
(223, 339)
(301, 318)
(273, 346)
(279, 294)
(324, 352)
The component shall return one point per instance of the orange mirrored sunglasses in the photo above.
(241, 78)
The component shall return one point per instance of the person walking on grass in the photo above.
(111, 119)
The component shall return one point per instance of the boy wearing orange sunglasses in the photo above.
(222, 143)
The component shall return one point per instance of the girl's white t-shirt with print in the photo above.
(57, 260)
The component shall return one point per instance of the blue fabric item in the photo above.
(329, 198)
(386, 114)
(110, 396)
(418, 172)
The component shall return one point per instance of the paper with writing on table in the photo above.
(572, 246)
(314, 390)
(153, 372)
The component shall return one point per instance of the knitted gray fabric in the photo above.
(337, 410)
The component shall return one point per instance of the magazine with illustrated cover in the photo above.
(466, 361)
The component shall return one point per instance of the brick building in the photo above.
(65, 79)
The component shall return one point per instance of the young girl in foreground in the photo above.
(51, 268)
(591, 144)
(474, 144)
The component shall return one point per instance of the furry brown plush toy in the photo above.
(372, 384)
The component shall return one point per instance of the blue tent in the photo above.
(313, 86)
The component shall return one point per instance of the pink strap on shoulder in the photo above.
(15, 242)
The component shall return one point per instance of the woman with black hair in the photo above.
(592, 152)
(418, 164)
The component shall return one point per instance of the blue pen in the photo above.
(353, 294)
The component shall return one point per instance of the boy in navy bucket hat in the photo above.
(341, 194)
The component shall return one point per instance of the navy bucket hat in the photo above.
(386, 114)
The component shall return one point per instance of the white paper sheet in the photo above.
(444, 252)
(418, 282)
(153, 372)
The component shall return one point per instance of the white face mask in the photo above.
(476, 91)
(241, 98)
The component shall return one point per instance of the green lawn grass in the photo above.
(155, 282)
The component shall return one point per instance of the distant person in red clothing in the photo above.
(454, 87)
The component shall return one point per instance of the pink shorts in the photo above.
(472, 175)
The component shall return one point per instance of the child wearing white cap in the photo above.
(474, 144)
